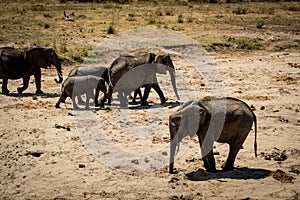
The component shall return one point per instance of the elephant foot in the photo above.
(76, 108)
(5, 91)
(20, 90)
(144, 103)
(101, 105)
(163, 101)
(212, 170)
(39, 92)
(57, 105)
(227, 168)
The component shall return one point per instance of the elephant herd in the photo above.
(127, 74)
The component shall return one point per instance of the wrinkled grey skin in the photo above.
(126, 75)
(78, 85)
(22, 63)
(97, 71)
(195, 117)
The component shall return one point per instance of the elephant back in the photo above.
(12, 62)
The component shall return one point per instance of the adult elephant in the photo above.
(128, 73)
(225, 120)
(22, 63)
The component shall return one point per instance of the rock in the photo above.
(81, 166)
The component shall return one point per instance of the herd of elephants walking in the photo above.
(226, 120)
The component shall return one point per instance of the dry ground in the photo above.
(42, 152)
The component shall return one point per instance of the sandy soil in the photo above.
(46, 153)
(42, 155)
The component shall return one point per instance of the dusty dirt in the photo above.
(43, 155)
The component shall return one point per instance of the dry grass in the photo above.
(31, 23)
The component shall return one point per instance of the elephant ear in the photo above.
(193, 116)
(161, 68)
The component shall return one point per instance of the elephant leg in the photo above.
(107, 97)
(97, 96)
(209, 162)
(61, 99)
(137, 92)
(79, 99)
(235, 146)
(123, 98)
(75, 107)
(229, 163)
(4, 86)
(146, 94)
(37, 76)
(159, 92)
(87, 101)
(25, 85)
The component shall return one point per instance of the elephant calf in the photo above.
(78, 85)
(225, 120)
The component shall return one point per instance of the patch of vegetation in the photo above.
(110, 29)
(47, 15)
(180, 18)
(244, 43)
(46, 25)
(97, 1)
(260, 24)
(293, 8)
(72, 56)
(169, 13)
(233, 43)
(130, 17)
(240, 11)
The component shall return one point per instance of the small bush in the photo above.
(110, 29)
(180, 18)
(240, 11)
(47, 15)
(151, 21)
(244, 43)
(46, 25)
(260, 24)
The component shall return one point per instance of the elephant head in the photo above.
(165, 63)
(184, 122)
(43, 58)
(52, 59)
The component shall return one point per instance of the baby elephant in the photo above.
(78, 85)
(225, 120)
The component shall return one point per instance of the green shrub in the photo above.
(240, 11)
(110, 29)
(180, 18)
(244, 43)
(46, 25)
(260, 24)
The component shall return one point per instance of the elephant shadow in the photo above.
(155, 106)
(238, 173)
(44, 95)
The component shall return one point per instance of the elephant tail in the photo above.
(255, 135)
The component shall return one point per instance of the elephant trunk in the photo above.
(57, 64)
(173, 80)
(60, 77)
